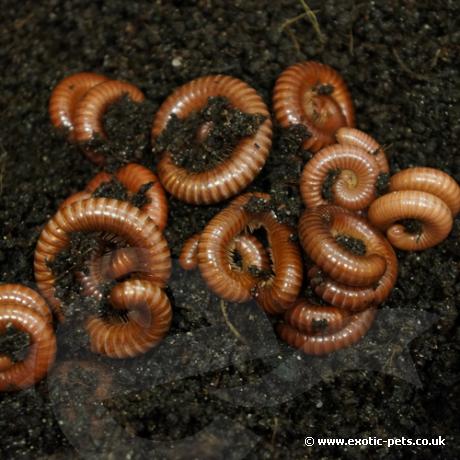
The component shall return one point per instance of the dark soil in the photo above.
(401, 61)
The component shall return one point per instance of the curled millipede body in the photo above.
(149, 319)
(274, 294)
(356, 171)
(110, 216)
(133, 177)
(89, 112)
(362, 140)
(433, 213)
(188, 257)
(234, 173)
(248, 247)
(28, 312)
(343, 278)
(66, 96)
(429, 180)
(319, 330)
(427, 195)
(314, 95)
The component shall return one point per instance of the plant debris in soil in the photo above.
(400, 61)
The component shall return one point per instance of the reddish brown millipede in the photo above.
(362, 140)
(149, 318)
(133, 177)
(248, 247)
(274, 294)
(236, 172)
(28, 312)
(315, 95)
(357, 173)
(66, 95)
(319, 330)
(114, 217)
(352, 281)
(427, 195)
(89, 112)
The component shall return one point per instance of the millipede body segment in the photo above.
(25, 310)
(427, 195)
(316, 96)
(275, 293)
(234, 173)
(340, 276)
(319, 330)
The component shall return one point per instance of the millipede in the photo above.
(315, 95)
(27, 311)
(234, 173)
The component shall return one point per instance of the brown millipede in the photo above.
(119, 218)
(133, 177)
(432, 212)
(362, 140)
(428, 180)
(89, 112)
(149, 319)
(215, 261)
(357, 173)
(314, 95)
(410, 199)
(235, 173)
(248, 247)
(188, 257)
(28, 312)
(319, 330)
(350, 280)
(66, 95)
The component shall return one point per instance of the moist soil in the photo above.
(221, 385)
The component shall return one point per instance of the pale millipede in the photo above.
(354, 187)
(110, 216)
(149, 317)
(89, 112)
(249, 248)
(237, 171)
(319, 330)
(27, 311)
(343, 278)
(66, 95)
(362, 140)
(274, 294)
(314, 95)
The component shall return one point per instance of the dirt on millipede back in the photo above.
(221, 385)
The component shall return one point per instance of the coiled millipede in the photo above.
(250, 250)
(78, 104)
(429, 196)
(341, 277)
(354, 185)
(314, 95)
(152, 269)
(237, 171)
(27, 311)
(134, 178)
(65, 97)
(274, 293)
(319, 330)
